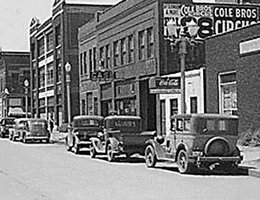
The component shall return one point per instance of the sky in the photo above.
(15, 17)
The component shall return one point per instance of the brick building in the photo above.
(53, 44)
(14, 70)
(127, 48)
(233, 73)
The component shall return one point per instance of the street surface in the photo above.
(49, 172)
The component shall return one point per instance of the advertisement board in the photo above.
(211, 19)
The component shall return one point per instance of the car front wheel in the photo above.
(184, 166)
(150, 157)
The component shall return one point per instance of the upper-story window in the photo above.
(85, 65)
(41, 47)
(123, 51)
(107, 56)
(58, 72)
(81, 64)
(57, 36)
(116, 53)
(102, 56)
(50, 77)
(49, 39)
(33, 53)
(94, 58)
(42, 77)
(141, 45)
(228, 93)
(90, 58)
(150, 43)
(131, 48)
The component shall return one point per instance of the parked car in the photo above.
(197, 140)
(121, 135)
(83, 128)
(5, 124)
(33, 129)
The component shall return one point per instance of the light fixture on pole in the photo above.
(26, 84)
(181, 39)
(68, 69)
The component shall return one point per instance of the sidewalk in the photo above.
(251, 160)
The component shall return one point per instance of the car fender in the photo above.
(97, 143)
(182, 146)
(159, 151)
(114, 142)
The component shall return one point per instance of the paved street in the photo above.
(48, 171)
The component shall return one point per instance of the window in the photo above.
(123, 52)
(131, 48)
(193, 104)
(90, 58)
(83, 106)
(174, 106)
(41, 47)
(42, 77)
(150, 43)
(50, 78)
(116, 53)
(85, 65)
(89, 103)
(49, 39)
(81, 64)
(107, 56)
(94, 59)
(102, 57)
(57, 36)
(58, 72)
(141, 45)
(228, 93)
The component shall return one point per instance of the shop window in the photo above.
(89, 103)
(141, 45)
(150, 43)
(228, 93)
(174, 106)
(131, 48)
(126, 106)
(83, 106)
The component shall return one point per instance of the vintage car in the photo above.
(122, 135)
(5, 124)
(33, 129)
(83, 128)
(197, 140)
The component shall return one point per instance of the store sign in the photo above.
(164, 85)
(211, 19)
(249, 46)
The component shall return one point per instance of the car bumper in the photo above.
(235, 159)
(30, 137)
(85, 144)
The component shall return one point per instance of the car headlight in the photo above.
(197, 153)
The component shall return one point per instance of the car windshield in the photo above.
(225, 126)
(37, 125)
(125, 125)
(87, 122)
(8, 122)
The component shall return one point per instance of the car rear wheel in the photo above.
(184, 166)
(110, 154)
(150, 157)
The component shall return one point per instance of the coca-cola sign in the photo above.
(167, 83)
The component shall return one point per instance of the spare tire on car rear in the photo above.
(217, 146)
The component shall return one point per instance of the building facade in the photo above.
(233, 76)
(14, 70)
(124, 49)
(53, 44)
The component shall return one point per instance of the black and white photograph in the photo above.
(129, 99)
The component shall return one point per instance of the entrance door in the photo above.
(163, 117)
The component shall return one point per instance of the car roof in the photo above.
(122, 117)
(30, 119)
(88, 117)
(205, 115)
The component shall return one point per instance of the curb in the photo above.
(254, 172)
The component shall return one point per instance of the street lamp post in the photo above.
(26, 84)
(182, 40)
(6, 109)
(68, 69)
